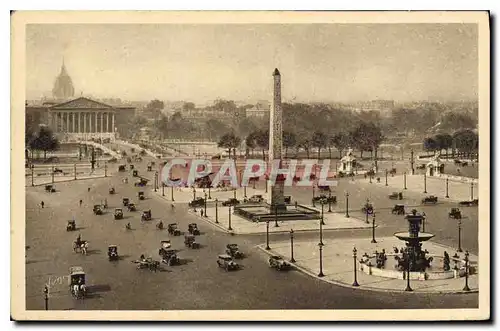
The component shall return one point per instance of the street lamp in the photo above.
(314, 204)
(32, 175)
(163, 190)
(320, 245)
(216, 211)
(412, 161)
(194, 193)
(74, 169)
(266, 185)
(321, 230)
(229, 227)
(466, 287)
(370, 175)
(209, 186)
(386, 177)
(404, 178)
(373, 229)
(347, 204)
(471, 191)
(291, 246)
(267, 235)
(156, 180)
(105, 169)
(322, 211)
(329, 201)
(459, 234)
(354, 254)
(276, 216)
(234, 192)
(172, 192)
(447, 180)
(53, 174)
(205, 212)
(425, 182)
(46, 296)
(408, 287)
(423, 221)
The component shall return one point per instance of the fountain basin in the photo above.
(422, 236)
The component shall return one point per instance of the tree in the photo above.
(215, 128)
(367, 137)
(305, 143)
(466, 142)
(457, 121)
(289, 141)
(319, 140)
(229, 141)
(341, 141)
(443, 141)
(45, 141)
(430, 144)
(251, 141)
(187, 106)
(262, 140)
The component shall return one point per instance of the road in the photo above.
(196, 284)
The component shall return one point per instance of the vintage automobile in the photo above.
(118, 214)
(367, 208)
(278, 263)
(141, 182)
(198, 202)
(50, 188)
(113, 253)
(112, 190)
(396, 196)
(71, 225)
(169, 256)
(325, 199)
(131, 166)
(146, 215)
(141, 195)
(76, 282)
(231, 202)
(125, 201)
(455, 213)
(431, 199)
(233, 251)
(471, 203)
(398, 209)
(324, 188)
(226, 261)
(122, 168)
(288, 199)
(150, 168)
(135, 173)
(173, 230)
(97, 209)
(193, 229)
(257, 198)
(190, 241)
(131, 207)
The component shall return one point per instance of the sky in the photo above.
(200, 63)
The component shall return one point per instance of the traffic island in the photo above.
(352, 262)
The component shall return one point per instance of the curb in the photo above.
(65, 181)
(362, 287)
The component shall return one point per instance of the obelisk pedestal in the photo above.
(276, 190)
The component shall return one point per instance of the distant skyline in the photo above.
(199, 63)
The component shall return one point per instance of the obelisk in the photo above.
(276, 196)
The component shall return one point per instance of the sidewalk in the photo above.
(338, 264)
(44, 180)
(186, 195)
(457, 190)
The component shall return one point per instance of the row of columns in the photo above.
(83, 122)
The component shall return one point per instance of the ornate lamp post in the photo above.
(354, 255)
(471, 191)
(329, 201)
(229, 227)
(373, 229)
(425, 182)
(412, 161)
(46, 297)
(163, 190)
(314, 203)
(53, 174)
(266, 186)
(267, 235)
(194, 193)
(404, 178)
(105, 169)
(370, 175)
(466, 287)
(423, 221)
(291, 246)
(386, 177)
(205, 203)
(321, 231)
(216, 211)
(32, 175)
(408, 287)
(276, 217)
(347, 204)
(322, 211)
(209, 195)
(74, 169)
(156, 180)
(172, 192)
(459, 235)
(320, 245)
(234, 192)
(447, 180)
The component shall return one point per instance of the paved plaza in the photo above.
(338, 263)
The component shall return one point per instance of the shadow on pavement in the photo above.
(94, 289)
(93, 251)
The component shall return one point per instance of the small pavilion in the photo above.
(348, 162)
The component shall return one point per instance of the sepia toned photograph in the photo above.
(250, 165)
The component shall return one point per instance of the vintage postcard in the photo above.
(250, 166)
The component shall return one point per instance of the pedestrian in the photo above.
(201, 212)
(42, 204)
(81, 201)
(88, 190)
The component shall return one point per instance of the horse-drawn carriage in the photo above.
(396, 196)
(112, 190)
(118, 214)
(169, 256)
(125, 201)
(141, 195)
(146, 215)
(71, 226)
(50, 188)
(80, 246)
(190, 241)
(193, 229)
(97, 209)
(173, 230)
(113, 253)
(455, 213)
(431, 199)
(398, 209)
(131, 207)
(233, 251)
(77, 282)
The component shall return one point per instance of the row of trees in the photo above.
(364, 137)
(463, 142)
(42, 140)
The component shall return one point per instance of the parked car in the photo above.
(278, 263)
(198, 202)
(431, 199)
(231, 202)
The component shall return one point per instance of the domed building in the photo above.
(63, 86)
